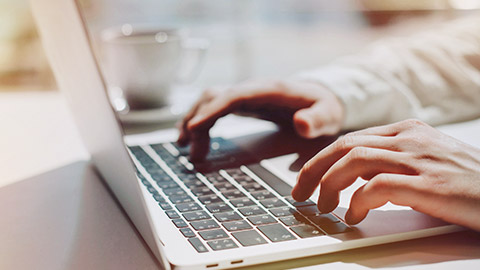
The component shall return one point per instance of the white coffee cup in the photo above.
(142, 63)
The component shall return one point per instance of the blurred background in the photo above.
(249, 38)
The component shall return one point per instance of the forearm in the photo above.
(434, 77)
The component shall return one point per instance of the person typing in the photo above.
(390, 94)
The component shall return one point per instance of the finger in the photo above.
(316, 120)
(360, 162)
(210, 112)
(198, 127)
(390, 129)
(200, 145)
(396, 188)
(184, 135)
(311, 173)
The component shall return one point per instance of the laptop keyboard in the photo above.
(229, 201)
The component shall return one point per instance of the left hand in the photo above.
(407, 163)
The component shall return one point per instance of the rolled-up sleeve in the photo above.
(433, 76)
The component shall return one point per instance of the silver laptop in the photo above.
(234, 209)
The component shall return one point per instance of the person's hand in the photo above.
(311, 108)
(407, 163)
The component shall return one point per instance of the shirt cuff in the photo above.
(367, 100)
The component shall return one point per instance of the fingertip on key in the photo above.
(298, 194)
(294, 194)
(182, 139)
(194, 122)
(327, 204)
(196, 155)
(350, 218)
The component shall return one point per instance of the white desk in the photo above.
(38, 135)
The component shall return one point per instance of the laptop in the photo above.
(232, 210)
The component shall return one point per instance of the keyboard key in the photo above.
(187, 232)
(273, 202)
(220, 180)
(136, 150)
(197, 215)
(299, 204)
(214, 177)
(242, 202)
(249, 238)
(151, 166)
(202, 191)
(282, 211)
(234, 172)
(180, 223)
(236, 225)
(306, 231)
(335, 228)
(252, 187)
(165, 206)
(172, 214)
(158, 197)
(188, 177)
(261, 195)
(218, 207)
(233, 194)
(252, 211)
(311, 210)
(294, 220)
(244, 180)
(167, 184)
(276, 232)
(323, 219)
(222, 244)
(204, 224)
(194, 183)
(197, 244)
(272, 180)
(173, 191)
(187, 207)
(180, 198)
(227, 216)
(224, 186)
(262, 220)
(161, 176)
(152, 190)
(210, 199)
(213, 234)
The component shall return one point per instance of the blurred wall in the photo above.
(22, 62)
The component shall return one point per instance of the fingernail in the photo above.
(302, 126)
(195, 120)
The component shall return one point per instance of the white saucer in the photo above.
(152, 116)
(182, 98)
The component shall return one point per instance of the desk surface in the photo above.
(60, 231)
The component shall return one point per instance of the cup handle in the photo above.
(193, 58)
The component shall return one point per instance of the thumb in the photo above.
(316, 120)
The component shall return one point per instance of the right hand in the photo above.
(311, 108)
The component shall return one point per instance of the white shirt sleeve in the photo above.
(433, 76)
